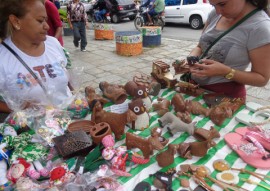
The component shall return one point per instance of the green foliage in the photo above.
(93, 160)
(63, 15)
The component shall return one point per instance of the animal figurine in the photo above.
(202, 134)
(116, 121)
(189, 89)
(135, 141)
(178, 103)
(185, 117)
(166, 157)
(142, 121)
(158, 142)
(147, 81)
(175, 124)
(91, 95)
(116, 93)
(180, 67)
(196, 108)
(162, 106)
(184, 150)
(140, 91)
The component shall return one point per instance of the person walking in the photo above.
(77, 20)
(54, 21)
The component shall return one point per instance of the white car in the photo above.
(193, 12)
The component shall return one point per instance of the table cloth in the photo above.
(220, 151)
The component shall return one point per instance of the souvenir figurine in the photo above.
(142, 119)
(116, 93)
(139, 92)
(91, 95)
(147, 81)
(175, 124)
(158, 142)
(166, 157)
(178, 103)
(117, 121)
(161, 106)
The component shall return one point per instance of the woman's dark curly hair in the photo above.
(12, 7)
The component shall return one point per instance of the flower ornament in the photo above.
(60, 175)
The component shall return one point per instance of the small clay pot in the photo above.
(84, 125)
(99, 131)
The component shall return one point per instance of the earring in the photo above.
(17, 27)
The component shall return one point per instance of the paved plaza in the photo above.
(101, 63)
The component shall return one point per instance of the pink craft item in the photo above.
(108, 141)
(248, 152)
(255, 133)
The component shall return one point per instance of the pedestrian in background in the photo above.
(225, 70)
(77, 20)
(54, 21)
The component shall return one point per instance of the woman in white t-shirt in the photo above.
(23, 28)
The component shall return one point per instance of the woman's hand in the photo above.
(208, 68)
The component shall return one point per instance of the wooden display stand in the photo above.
(103, 31)
(151, 36)
(128, 43)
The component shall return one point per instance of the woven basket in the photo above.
(103, 31)
(151, 36)
(128, 43)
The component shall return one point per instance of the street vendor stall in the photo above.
(169, 164)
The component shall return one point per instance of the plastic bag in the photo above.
(79, 106)
(53, 123)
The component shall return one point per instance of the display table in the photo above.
(220, 151)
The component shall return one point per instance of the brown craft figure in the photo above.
(178, 103)
(158, 142)
(135, 141)
(166, 157)
(196, 108)
(161, 106)
(202, 134)
(189, 89)
(116, 93)
(99, 131)
(185, 117)
(91, 95)
(184, 150)
(148, 81)
(116, 121)
(180, 67)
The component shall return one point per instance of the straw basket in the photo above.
(128, 43)
(151, 36)
(103, 31)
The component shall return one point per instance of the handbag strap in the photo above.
(25, 65)
(227, 31)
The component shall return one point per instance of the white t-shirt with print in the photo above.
(18, 84)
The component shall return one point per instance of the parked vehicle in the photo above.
(192, 12)
(140, 21)
(119, 10)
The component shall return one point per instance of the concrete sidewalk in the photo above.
(101, 63)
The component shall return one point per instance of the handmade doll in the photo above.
(24, 148)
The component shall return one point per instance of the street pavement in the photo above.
(101, 63)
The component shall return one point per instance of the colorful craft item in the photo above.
(108, 153)
(60, 175)
(108, 141)
(18, 169)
